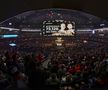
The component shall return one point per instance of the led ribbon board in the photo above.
(9, 36)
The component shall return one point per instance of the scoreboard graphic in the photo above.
(58, 28)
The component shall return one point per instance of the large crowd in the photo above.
(66, 68)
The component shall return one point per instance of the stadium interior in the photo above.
(54, 49)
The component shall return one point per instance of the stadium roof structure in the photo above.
(35, 18)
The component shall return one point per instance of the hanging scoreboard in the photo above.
(58, 28)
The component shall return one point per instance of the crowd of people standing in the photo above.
(67, 68)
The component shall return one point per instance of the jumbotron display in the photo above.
(58, 28)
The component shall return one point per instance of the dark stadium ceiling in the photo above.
(37, 17)
(9, 8)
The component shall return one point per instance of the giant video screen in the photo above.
(58, 28)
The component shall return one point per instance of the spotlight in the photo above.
(12, 44)
(84, 41)
(93, 32)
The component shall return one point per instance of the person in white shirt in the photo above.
(70, 30)
(62, 30)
